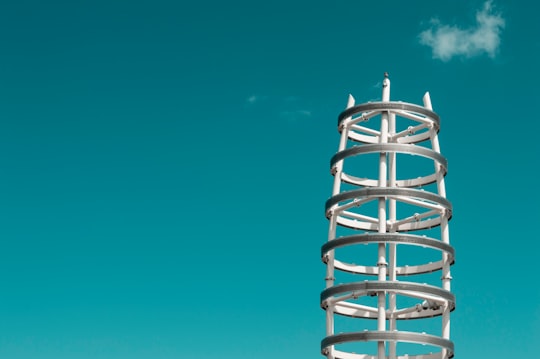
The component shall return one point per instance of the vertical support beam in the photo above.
(331, 255)
(344, 129)
(445, 235)
(338, 170)
(330, 329)
(392, 248)
(381, 262)
(330, 270)
(329, 283)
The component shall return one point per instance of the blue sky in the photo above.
(165, 167)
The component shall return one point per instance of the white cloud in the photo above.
(285, 107)
(295, 115)
(447, 41)
(252, 99)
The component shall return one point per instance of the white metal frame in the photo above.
(388, 230)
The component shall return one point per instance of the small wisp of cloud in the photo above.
(296, 115)
(288, 108)
(254, 99)
(448, 41)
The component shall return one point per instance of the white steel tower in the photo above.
(388, 254)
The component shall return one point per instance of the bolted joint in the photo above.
(429, 304)
(325, 305)
(325, 351)
(325, 258)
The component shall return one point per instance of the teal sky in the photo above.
(164, 167)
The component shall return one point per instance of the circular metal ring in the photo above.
(337, 296)
(389, 106)
(407, 183)
(391, 147)
(425, 199)
(423, 290)
(375, 336)
(397, 238)
(388, 192)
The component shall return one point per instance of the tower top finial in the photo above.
(385, 75)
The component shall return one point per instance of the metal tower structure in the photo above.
(388, 198)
